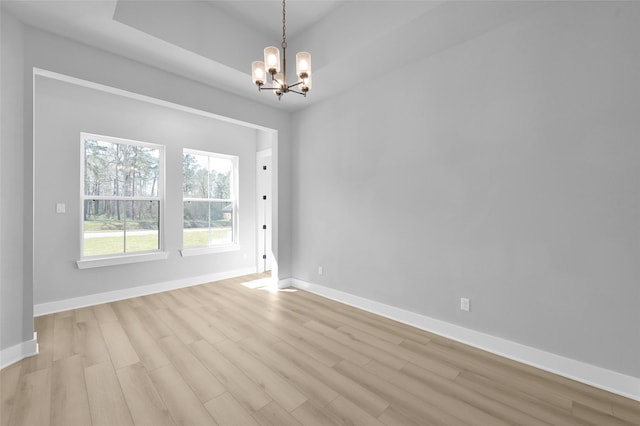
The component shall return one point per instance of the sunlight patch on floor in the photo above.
(267, 284)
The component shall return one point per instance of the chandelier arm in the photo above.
(299, 93)
(297, 84)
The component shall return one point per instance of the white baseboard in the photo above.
(287, 282)
(127, 293)
(20, 351)
(599, 377)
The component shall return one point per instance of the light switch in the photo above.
(61, 208)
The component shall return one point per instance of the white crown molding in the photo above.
(18, 352)
(611, 381)
(127, 293)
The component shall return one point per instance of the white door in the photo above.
(264, 193)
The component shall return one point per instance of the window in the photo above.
(209, 195)
(121, 193)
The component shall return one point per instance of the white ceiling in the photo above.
(214, 42)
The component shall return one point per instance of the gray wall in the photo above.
(16, 307)
(505, 169)
(62, 111)
(24, 48)
(53, 53)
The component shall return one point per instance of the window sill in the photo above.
(197, 251)
(121, 260)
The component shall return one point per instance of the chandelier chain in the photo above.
(284, 25)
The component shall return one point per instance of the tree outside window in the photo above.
(121, 198)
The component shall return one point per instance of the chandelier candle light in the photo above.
(271, 65)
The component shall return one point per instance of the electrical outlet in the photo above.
(465, 304)
(320, 270)
(61, 208)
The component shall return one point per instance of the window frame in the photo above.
(125, 257)
(234, 200)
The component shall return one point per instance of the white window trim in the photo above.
(98, 262)
(86, 262)
(235, 187)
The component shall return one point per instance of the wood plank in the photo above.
(475, 399)
(339, 350)
(120, 349)
(369, 401)
(84, 314)
(296, 301)
(124, 311)
(393, 417)
(274, 385)
(274, 415)
(230, 330)
(371, 351)
(9, 377)
(587, 395)
(194, 373)
(171, 300)
(183, 404)
(518, 381)
(106, 400)
(135, 302)
(435, 365)
(178, 326)
(246, 391)
(405, 403)
(104, 313)
(62, 337)
(405, 331)
(33, 399)
(349, 413)
(320, 302)
(227, 411)
(186, 299)
(88, 342)
(627, 410)
(341, 320)
(145, 346)
(449, 404)
(597, 417)
(311, 387)
(208, 332)
(152, 323)
(310, 415)
(518, 400)
(302, 343)
(145, 404)
(64, 314)
(153, 302)
(69, 401)
(243, 325)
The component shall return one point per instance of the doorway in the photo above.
(264, 192)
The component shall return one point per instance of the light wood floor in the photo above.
(223, 353)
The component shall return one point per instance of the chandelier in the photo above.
(271, 65)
